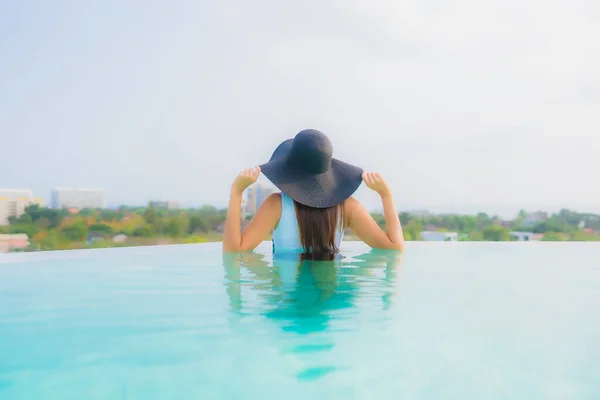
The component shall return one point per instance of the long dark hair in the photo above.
(318, 227)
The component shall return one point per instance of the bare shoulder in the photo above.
(351, 204)
(274, 198)
(273, 201)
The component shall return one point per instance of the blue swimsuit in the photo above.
(286, 237)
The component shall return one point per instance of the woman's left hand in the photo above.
(246, 178)
(375, 182)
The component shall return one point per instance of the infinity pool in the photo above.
(444, 321)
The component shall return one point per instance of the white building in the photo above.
(14, 201)
(523, 236)
(433, 236)
(78, 198)
(16, 193)
(4, 211)
(12, 242)
(165, 204)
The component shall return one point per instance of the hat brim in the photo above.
(324, 190)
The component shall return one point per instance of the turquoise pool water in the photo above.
(444, 321)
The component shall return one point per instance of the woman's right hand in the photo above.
(245, 178)
(375, 182)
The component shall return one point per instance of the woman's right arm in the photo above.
(259, 227)
(365, 227)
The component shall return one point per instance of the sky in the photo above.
(463, 106)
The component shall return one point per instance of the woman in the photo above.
(315, 205)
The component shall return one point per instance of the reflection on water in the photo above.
(290, 289)
(303, 297)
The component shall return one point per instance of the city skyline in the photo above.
(503, 210)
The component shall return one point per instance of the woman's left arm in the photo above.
(263, 222)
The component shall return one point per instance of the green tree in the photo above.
(150, 215)
(414, 229)
(76, 232)
(552, 224)
(476, 236)
(50, 241)
(111, 215)
(143, 231)
(28, 229)
(553, 237)
(198, 224)
(25, 219)
(155, 219)
(569, 217)
(496, 233)
(465, 223)
(177, 226)
(482, 220)
(581, 236)
(405, 218)
(34, 212)
(101, 228)
(517, 223)
(87, 212)
(43, 223)
(211, 218)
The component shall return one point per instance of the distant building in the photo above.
(255, 196)
(433, 236)
(16, 193)
(13, 242)
(533, 218)
(78, 198)
(14, 201)
(167, 205)
(4, 211)
(523, 236)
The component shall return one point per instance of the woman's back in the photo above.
(286, 236)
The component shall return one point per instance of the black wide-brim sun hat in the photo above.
(303, 168)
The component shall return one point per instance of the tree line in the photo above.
(561, 226)
(51, 229)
